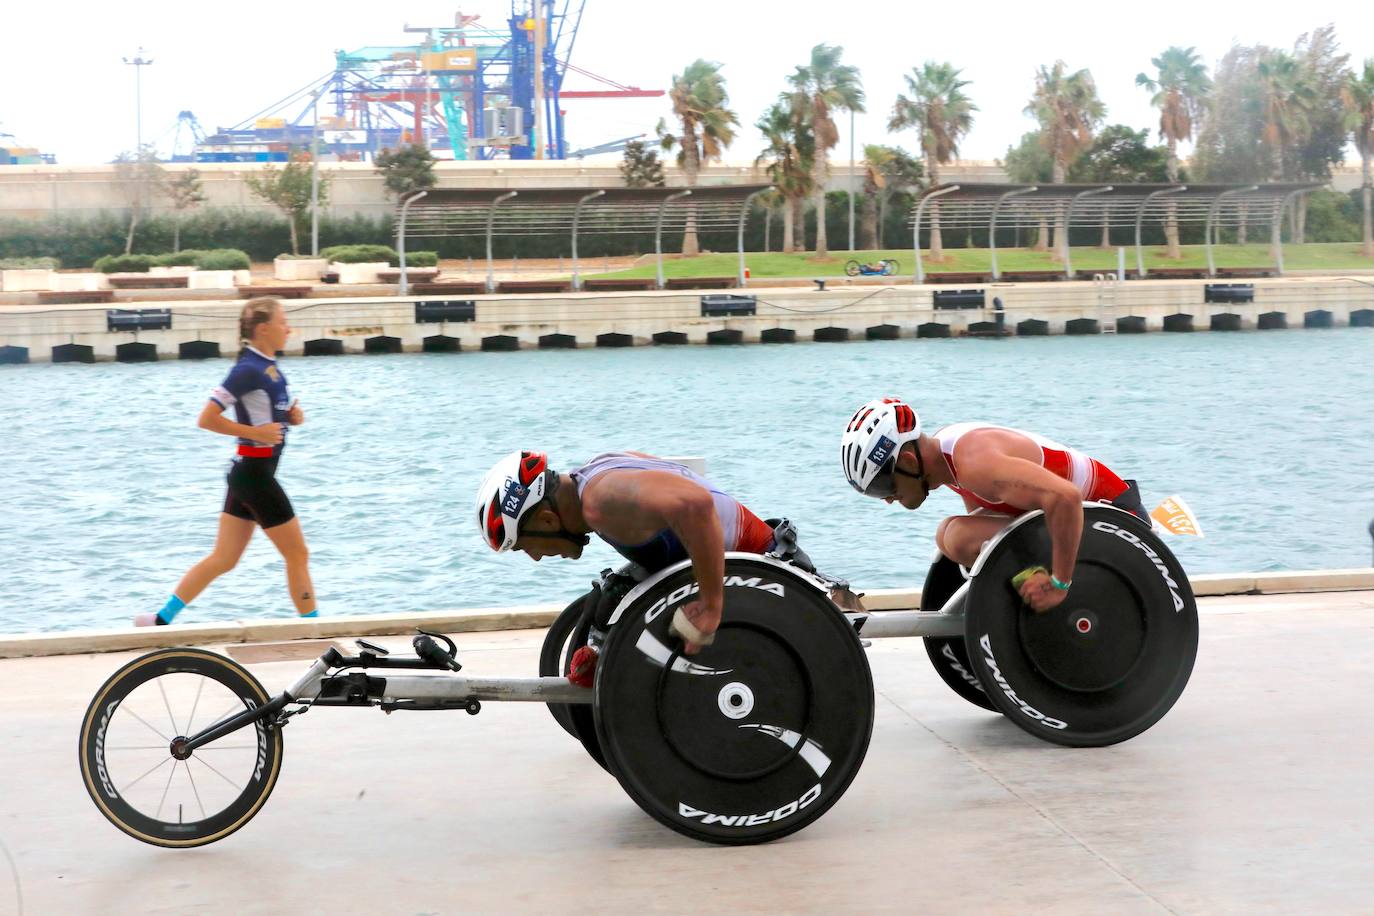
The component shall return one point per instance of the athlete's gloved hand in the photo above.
(1036, 589)
(582, 667)
(267, 433)
(295, 416)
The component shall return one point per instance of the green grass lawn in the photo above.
(1312, 256)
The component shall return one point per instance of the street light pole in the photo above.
(138, 63)
(315, 174)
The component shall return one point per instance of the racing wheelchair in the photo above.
(751, 739)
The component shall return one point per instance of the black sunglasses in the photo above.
(884, 483)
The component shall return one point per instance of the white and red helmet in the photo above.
(875, 434)
(511, 489)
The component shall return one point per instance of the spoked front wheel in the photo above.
(852, 268)
(144, 782)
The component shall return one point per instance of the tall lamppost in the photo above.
(138, 63)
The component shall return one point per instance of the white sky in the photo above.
(66, 90)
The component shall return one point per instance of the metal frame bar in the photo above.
(491, 218)
(992, 224)
(1211, 222)
(1139, 221)
(1277, 231)
(658, 231)
(460, 687)
(744, 215)
(403, 287)
(1068, 224)
(920, 274)
(577, 215)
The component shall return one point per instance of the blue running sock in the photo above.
(170, 609)
(314, 613)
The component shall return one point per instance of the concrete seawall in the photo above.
(81, 333)
(540, 616)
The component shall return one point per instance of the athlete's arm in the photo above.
(212, 418)
(631, 506)
(995, 475)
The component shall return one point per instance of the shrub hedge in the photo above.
(361, 254)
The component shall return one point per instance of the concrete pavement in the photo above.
(1252, 795)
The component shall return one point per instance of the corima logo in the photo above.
(1129, 538)
(751, 820)
(514, 498)
(691, 588)
(1026, 708)
(100, 751)
(882, 451)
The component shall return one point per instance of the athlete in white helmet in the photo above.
(999, 472)
(652, 512)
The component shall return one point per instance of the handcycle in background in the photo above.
(886, 267)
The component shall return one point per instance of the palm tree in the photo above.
(1180, 93)
(877, 159)
(788, 157)
(1287, 98)
(823, 87)
(1357, 95)
(1068, 109)
(942, 115)
(707, 128)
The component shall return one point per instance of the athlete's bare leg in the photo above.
(290, 542)
(961, 537)
(232, 540)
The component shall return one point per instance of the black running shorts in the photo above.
(255, 495)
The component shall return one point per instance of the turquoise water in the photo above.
(111, 492)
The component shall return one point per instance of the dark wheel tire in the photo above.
(758, 734)
(114, 733)
(555, 657)
(890, 267)
(1107, 663)
(852, 268)
(948, 654)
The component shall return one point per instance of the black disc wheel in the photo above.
(755, 736)
(144, 782)
(1109, 661)
(852, 268)
(948, 654)
(555, 657)
(568, 633)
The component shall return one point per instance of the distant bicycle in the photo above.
(884, 268)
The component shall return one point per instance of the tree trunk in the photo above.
(1106, 242)
(882, 220)
(1242, 229)
(789, 242)
(1367, 192)
(1300, 237)
(1175, 251)
(295, 245)
(176, 233)
(1057, 237)
(133, 224)
(690, 165)
(822, 174)
(1041, 234)
(767, 227)
(868, 223)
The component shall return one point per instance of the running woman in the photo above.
(257, 391)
